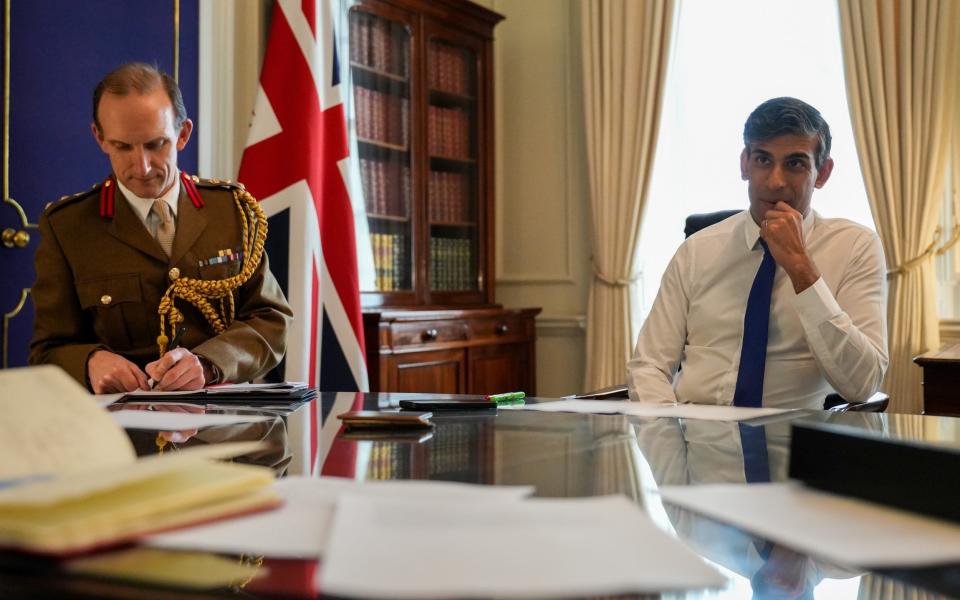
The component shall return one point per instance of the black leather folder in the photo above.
(908, 474)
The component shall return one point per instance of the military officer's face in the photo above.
(140, 138)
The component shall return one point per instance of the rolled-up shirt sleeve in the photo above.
(847, 332)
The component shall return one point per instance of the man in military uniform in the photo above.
(107, 257)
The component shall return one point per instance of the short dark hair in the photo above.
(140, 78)
(787, 116)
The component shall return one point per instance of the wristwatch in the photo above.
(211, 374)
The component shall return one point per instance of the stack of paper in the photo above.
(70, 479)
(529, 549)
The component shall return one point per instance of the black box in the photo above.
(919, 477)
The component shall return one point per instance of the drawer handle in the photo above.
(430, 335)
(502, 329)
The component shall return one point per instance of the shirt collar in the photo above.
(142, 206)
(752, 231)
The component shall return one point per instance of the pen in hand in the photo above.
(174, 343)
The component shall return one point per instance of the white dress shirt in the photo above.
(831, 336)
(142, 206)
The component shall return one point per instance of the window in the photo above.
(728, 58)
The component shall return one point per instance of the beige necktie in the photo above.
(166, 227)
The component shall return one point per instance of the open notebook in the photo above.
(70, 480)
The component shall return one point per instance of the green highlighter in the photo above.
(506, 398)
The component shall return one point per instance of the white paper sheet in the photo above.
(702, 412)
(397, 548)
(299, 528)
(839, 529)
(177, 421)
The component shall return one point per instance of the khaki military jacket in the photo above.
(100, 280)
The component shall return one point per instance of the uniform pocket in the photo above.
(117, 309)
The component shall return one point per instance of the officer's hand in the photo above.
(179, 369)
(111, 373)
(782, 229)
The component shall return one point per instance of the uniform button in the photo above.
(174, 273)
(106, 299)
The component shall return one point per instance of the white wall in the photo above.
(542, 212)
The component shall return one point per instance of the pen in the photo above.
(175, 342)
(508, 397)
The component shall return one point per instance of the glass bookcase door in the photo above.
(380, 71)
(452, 181)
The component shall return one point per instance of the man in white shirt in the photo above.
(827, 328)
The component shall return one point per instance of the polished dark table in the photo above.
(561, 455)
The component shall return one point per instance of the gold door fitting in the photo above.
(11, 238)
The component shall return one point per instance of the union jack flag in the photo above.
(295, 161)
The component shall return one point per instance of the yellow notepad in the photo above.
(60, 504)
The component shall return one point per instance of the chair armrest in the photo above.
(876, 403)
(613, 392)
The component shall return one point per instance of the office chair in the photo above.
(833, 402)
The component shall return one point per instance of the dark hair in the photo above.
(140, 78)
(787, 116)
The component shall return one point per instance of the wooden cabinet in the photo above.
(472, 351)
(422, 79)
(941, 372)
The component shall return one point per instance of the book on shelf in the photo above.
(373, 44)
(448, 132)
(71, 482)
(451, 264)
(382, 117)
(389, 261)
(386, 187)
(449, 71)
(448, 199)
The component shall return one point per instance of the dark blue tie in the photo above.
(756, 325)
(753, 358)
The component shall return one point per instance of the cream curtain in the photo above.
(626, 46)
(900, 63)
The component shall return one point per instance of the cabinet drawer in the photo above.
(493, 328)
(428, 332)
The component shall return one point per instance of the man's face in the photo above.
(782, 168)
(140, 138)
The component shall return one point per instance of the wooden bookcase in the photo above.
(422, 75)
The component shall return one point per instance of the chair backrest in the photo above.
(697, 222)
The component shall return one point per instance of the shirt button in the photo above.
(106, 299)
(174, 273)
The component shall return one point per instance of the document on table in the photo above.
(299, 528)
(702, 412)
(177, 421)
(840, 529)
(529, 549)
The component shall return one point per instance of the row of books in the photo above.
(449, 132)
(449, 197)
(373, 44)
(449, 70)
(390, 262)
(451, 264)
(386, 187)
(382, 117)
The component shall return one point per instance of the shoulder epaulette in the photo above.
(217, 183)
(71, 199)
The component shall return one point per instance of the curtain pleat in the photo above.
(626, 46)
(901, 62)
